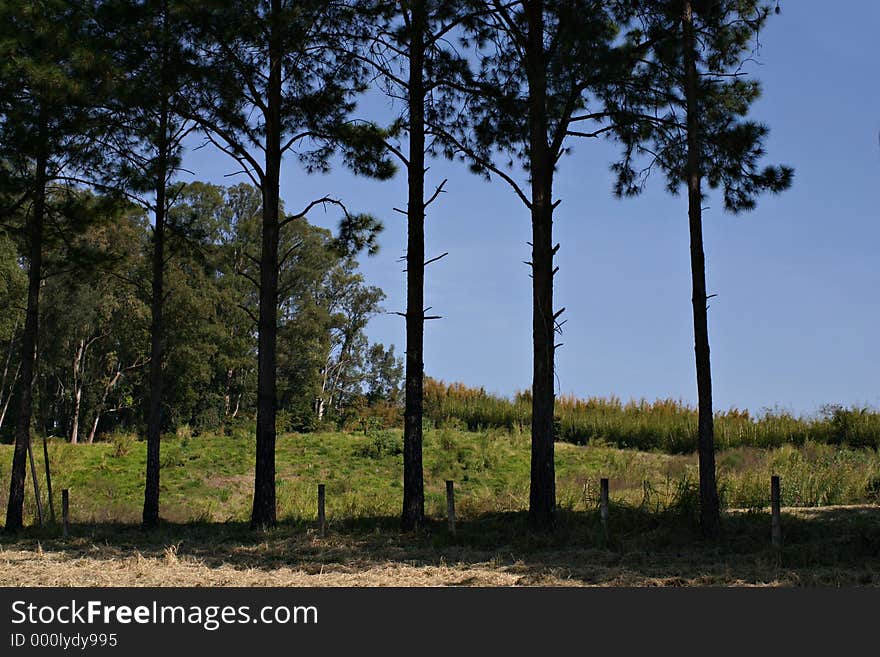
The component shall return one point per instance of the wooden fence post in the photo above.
(775, 523)
(603, 502)
(450, 505)
(65, 512)
(322, 518)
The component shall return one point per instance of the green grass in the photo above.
(652, 539)
(210, 478)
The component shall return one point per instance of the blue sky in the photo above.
(797, 317)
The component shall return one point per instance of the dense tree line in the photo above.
(137, 300)
(95, 323)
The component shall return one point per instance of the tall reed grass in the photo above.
(665, 425)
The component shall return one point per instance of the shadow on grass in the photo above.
(832, 546)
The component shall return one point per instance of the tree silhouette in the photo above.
(539, 64)
(683, 112)
(273, 82)
(408, 45)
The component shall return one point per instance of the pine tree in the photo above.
(540, 63)
(408, 44)
(274, 83)
(51, 77)
(683, 112)
(152, 83)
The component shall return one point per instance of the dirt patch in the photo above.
(229, 482)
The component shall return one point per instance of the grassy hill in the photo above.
(210, 478)
(653, 537)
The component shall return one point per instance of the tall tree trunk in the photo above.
(150, 516)
(157, 350)
(15, 507)
(157, 329)
(710, 516)
(264, 512)
(227, 397)
(77, 390)
(542, 492)
(102, 405)
(336, 388)
(321, 401)
(74, 425)
(8, 395)
(94, 430)
(413, 478)
(4, 393)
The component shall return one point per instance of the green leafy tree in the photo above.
(324, 306)
(13, 286)
(350, 304)
(237, 248)
(93, 329)
(383, 373)
(198, 318)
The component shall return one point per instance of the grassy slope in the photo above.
(209, 478)
(653, 538)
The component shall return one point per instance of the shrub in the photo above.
(382, 443)
(241, 428)
(856, 427)
(208, 419)
(122, 443)
(283, 422)
(872, 489)
(446, 438)
(171, 455)
(686, 499)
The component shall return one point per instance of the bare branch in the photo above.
(442, 255)
(436, 193)
(323, 201)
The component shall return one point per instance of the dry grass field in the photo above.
(832, 546)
